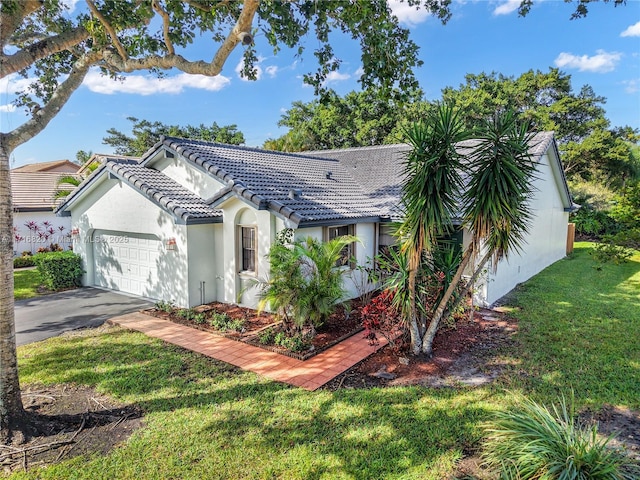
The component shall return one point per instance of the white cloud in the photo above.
(632, 31)
(336, 77)
(14, 83)
(407, 14)
(271, 70)
(7, 108)
(507, 7)
(600, 63)
(359, 72)
(632, 86)
(149, 85)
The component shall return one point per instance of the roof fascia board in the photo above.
(558, 174)
(338, 221)
(32, 209)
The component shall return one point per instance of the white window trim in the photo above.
(246, 273)
(351, 230)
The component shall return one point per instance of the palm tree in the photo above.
(431, 195)
(68, 183)
(495, 203)
(305, 286)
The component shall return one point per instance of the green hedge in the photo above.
(21, 262)
(59, 270)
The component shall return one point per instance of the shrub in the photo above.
(21, 262)
(293, 343)
(224, 323)
(305, 285)
(608, 251)
(59, 270)
(535, 442)
(266, 336)
(165, 306)
(380, 317)
(187, 313)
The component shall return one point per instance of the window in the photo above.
(349, 250)
(386, 240)
(248, 249)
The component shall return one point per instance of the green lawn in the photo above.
(205, 419)
(26, 283)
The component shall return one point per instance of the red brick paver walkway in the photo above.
(310, 374)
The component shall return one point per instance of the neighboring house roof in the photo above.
(306, 190)
(185, 206)
(57, 166)
(34, 191)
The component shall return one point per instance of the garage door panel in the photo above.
(126, 261)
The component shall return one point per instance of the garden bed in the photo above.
(261, 329)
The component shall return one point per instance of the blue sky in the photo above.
(602, 50)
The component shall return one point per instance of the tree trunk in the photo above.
(12, 415)
(427, 340)
(413, 320)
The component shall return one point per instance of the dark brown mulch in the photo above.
(460, 356)
(68, 421)
(343, 323)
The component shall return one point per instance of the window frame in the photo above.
(346, 260)
(242, 249)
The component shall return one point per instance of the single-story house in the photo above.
(35, 224)
(55, 166)
(192, 221)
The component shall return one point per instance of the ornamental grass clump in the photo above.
(535, 442)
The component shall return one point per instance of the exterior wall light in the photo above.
(171, 244)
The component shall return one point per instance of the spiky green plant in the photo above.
(539, 443)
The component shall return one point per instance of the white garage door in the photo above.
(126, 262)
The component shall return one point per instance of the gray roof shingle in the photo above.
(162, 190)
(378, 169)
(327, 193)
(309, 188)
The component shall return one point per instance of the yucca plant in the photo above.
(536, 442)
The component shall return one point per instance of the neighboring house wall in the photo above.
(544, 245)
(30, 240)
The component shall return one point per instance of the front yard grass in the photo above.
(205, 419)
(26, 283)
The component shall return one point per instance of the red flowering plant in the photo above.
(380, 317)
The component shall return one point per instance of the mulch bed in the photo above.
(340, 325)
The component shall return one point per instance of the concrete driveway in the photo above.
(50, 315)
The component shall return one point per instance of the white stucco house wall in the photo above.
(35, 224)
(191, 222)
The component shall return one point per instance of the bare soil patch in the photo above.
(68, 421)
(622, 423)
